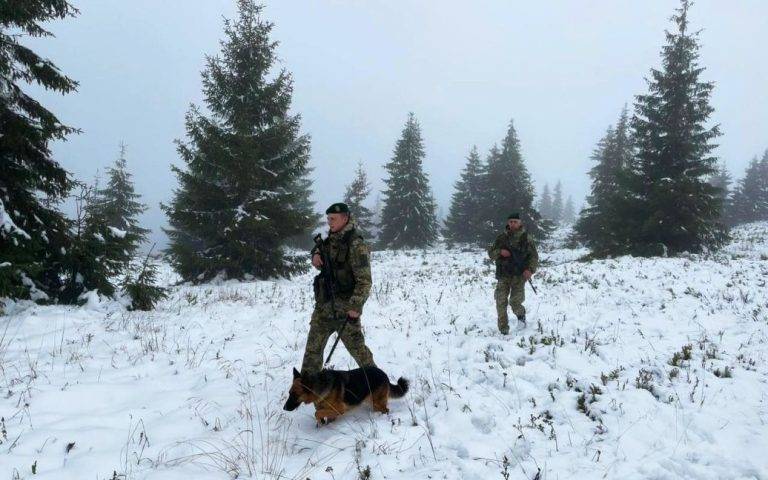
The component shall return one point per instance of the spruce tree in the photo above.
(557, 204)
(599, 225)
(104, 234)
(722, 181)
(141, 286)
(545, 203)
(508, 189)
(750, 198)
(93, 257)
(463, 224)
(408, 216)
(356, 194)
(244, 191)
(115, 209)
(376, 217)
(592, 227)
(674, 208)
(33, 231)
(569, 213)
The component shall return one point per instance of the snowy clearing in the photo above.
(629, 368)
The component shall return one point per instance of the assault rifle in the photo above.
(329, 286)
(520, 264)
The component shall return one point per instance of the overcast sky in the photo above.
(561, 69)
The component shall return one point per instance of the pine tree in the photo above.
(569, 213)
(599, 225)
(722, 181)
(245, 190)
(463, 224)
(115, 209)
(674, 208)
(408, 217)
(33, 231)
(750, 198)
(557, 204)
(545, 203)
(508, 188)
(592, 227)
(92, 259)
(142, 288)
(357, 192)
(376, 217)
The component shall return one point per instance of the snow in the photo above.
(116, 232)
(8, 226)
(34, 294)
(195, 389)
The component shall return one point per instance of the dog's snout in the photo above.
(291, 404)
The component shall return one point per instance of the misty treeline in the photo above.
(242, 208)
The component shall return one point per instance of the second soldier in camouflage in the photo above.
(516, 260)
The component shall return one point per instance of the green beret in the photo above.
(514, 216)
(338, 208)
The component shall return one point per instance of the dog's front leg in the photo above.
(324, 416)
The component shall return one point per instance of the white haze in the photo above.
(562, 70)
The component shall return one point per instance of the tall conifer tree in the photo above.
(115, 209)
(599, 225)
(545, 203)
(244, 191)
(674, 208)
(569, 212)
(33, 231)
(408, 216)
(376, 216)
(508, 188)
(93, 257)
(356, 194)
(722, 181)
(557, 204)
(464, 224)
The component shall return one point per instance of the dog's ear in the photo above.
(296, 373)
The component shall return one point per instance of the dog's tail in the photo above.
(399, 390)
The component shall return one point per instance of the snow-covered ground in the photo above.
(630, 369)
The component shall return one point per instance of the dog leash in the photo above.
(336, 342)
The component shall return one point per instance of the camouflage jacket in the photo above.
(351, 269)
(524, 254)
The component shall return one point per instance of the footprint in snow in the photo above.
(484, 423)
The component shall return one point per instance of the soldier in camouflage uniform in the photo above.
(516, 261)
(350, 260)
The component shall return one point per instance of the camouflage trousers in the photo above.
(322, 326)
(509, 291)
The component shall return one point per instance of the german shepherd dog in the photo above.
(334, 392)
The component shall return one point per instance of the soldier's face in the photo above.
(337, 221)
(514, 224)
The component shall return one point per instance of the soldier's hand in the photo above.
(505, 253)
(527, 275)
(317, 260)
(353, 314)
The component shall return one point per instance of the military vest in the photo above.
(515, 264)
(343, 283)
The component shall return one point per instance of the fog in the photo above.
(561, 69)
